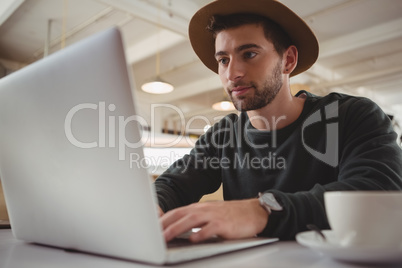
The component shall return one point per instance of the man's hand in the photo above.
(226, 219)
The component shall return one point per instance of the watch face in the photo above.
(270, 200)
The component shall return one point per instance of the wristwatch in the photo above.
(269, 203)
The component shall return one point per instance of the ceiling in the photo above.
(360, 49)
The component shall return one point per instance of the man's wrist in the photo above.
(275, 218)
(262, 216)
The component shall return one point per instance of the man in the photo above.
(289, 148)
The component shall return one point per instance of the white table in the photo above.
(18, 254)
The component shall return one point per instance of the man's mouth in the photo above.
(240, 90)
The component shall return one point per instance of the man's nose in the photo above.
(235, 71)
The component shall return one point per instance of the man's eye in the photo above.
(249, 55)
(223, 61)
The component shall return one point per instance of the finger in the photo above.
(183, 219)
(172, 216)
(182, 225)
(206, 232)
(175, 214)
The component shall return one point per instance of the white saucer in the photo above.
(332, 248)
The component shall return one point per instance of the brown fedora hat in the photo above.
(203, 41)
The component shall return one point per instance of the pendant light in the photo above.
(225, 104)
(157, 85)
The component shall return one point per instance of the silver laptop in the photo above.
(68, 129)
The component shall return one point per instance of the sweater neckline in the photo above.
(289, 128)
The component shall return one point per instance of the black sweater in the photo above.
(339, 142)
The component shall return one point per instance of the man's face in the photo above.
(249, 66)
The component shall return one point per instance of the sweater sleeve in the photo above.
(196, 174)
(369, 159)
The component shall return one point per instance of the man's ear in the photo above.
(290, 59)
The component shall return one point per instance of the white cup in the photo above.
(365, 218)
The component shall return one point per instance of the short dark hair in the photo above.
(272, 31)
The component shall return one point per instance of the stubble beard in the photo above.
(262, 97)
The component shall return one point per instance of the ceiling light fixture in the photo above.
(157, 85)
(223, 105)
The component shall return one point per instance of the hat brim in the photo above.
(301, 35)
